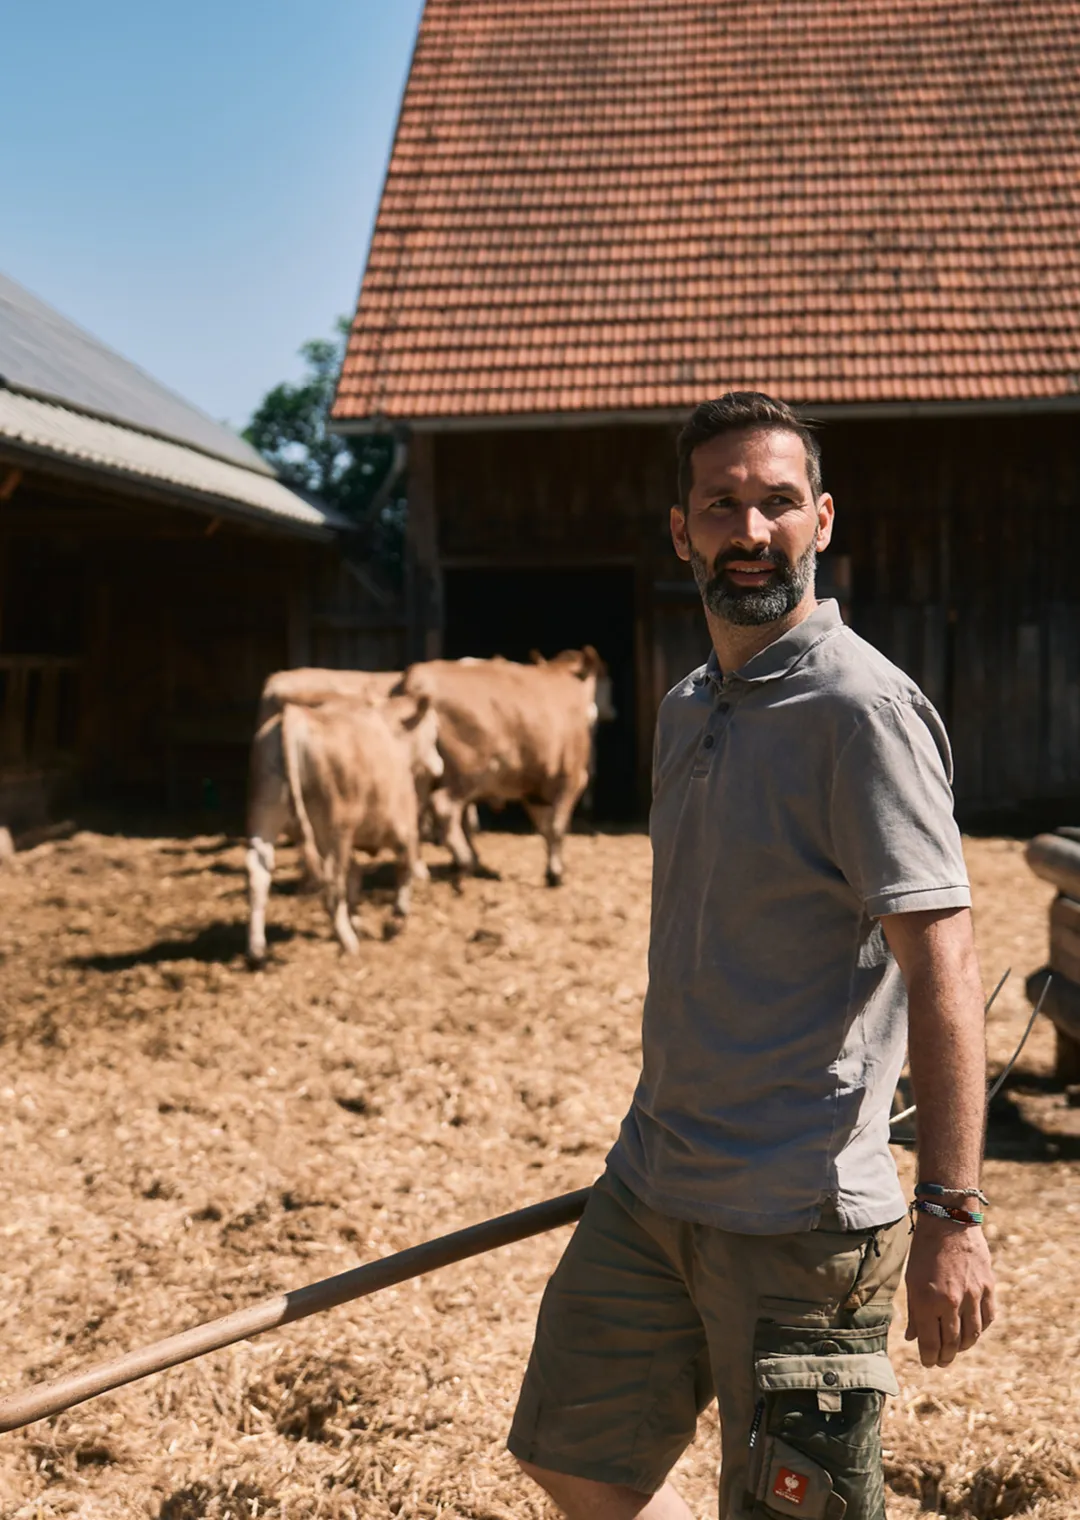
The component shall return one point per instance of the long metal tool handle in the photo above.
(36, 1403)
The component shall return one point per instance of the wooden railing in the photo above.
(39, 708)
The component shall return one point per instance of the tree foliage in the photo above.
(289, 429)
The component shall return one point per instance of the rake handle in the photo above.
(19, 1409)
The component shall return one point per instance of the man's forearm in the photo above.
(947, 1052)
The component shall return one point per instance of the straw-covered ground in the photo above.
(181, 1137)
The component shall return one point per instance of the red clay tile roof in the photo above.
(598, 205)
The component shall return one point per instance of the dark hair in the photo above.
(742, 411)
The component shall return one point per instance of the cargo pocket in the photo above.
(817, 1446)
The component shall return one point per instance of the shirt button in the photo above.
(708, 741)
(831, 1378)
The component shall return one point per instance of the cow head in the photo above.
(589, 668)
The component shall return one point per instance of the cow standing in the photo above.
(510, 732)
(309, 686)
(349, 776)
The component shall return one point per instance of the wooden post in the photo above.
(423, 575)
(170, 778)
(298, 612)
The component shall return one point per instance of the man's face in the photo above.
(752, 530)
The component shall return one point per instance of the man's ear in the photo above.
(679, 536)
(826, 512)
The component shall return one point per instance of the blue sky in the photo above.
(195, 183)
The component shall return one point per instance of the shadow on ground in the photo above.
(1011, 1135)
(222, 943)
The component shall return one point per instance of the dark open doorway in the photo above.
(513, 611)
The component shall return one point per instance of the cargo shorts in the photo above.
(647, 1319)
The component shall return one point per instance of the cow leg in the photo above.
(406, 873)
(470, 827)
(260, 869)
(456, 837)
(337, 893)
(553, 820)
(543, 816)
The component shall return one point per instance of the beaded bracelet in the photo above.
(936, 1190)
(941, 1211)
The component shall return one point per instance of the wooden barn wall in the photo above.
(956, 553)
(134, 641)
(355, 623)
(964, 544)
(588, 497)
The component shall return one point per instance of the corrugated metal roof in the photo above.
(43, 352)
(43, 425)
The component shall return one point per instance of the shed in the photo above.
(152, 572)
(600, 212)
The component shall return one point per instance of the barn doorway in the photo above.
(512, 611)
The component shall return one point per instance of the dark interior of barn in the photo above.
(512, 611)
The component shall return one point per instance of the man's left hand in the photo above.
(950, 1289)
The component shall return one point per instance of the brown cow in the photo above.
(349, 775)
(309, 686)
(510, 732)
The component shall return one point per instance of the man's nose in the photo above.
(750, 530)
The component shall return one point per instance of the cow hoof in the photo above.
(485, 873)
(553, 880)
(255, 962)
(392, 928)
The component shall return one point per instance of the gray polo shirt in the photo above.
(796, 801)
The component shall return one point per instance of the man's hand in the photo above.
(950, 1289)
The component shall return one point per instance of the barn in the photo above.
(599, 212)
(152, 572)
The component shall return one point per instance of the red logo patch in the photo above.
(791, 1486)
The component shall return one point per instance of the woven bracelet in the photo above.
(935, 1190)
(942, 1211)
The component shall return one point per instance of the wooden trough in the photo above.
(1056, 859)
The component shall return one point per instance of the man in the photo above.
(810, 910)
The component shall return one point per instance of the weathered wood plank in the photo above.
(1062, 1005)
(1057, 860)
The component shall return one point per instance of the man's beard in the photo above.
(750, 606)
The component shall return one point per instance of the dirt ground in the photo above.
(181, 1137)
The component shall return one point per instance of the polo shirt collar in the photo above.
(778, 658)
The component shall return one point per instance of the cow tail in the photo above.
(290, 744)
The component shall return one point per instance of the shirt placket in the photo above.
(712, 735)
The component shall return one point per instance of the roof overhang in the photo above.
(49, 437)
(667, 416)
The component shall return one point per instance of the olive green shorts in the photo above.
(647, 1318)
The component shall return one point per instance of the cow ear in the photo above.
(423, 706)
(417, 682)
(591, 660)
(536, 657)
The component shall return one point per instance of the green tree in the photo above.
(289, 429)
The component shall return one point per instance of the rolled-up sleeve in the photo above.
(894, 834)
